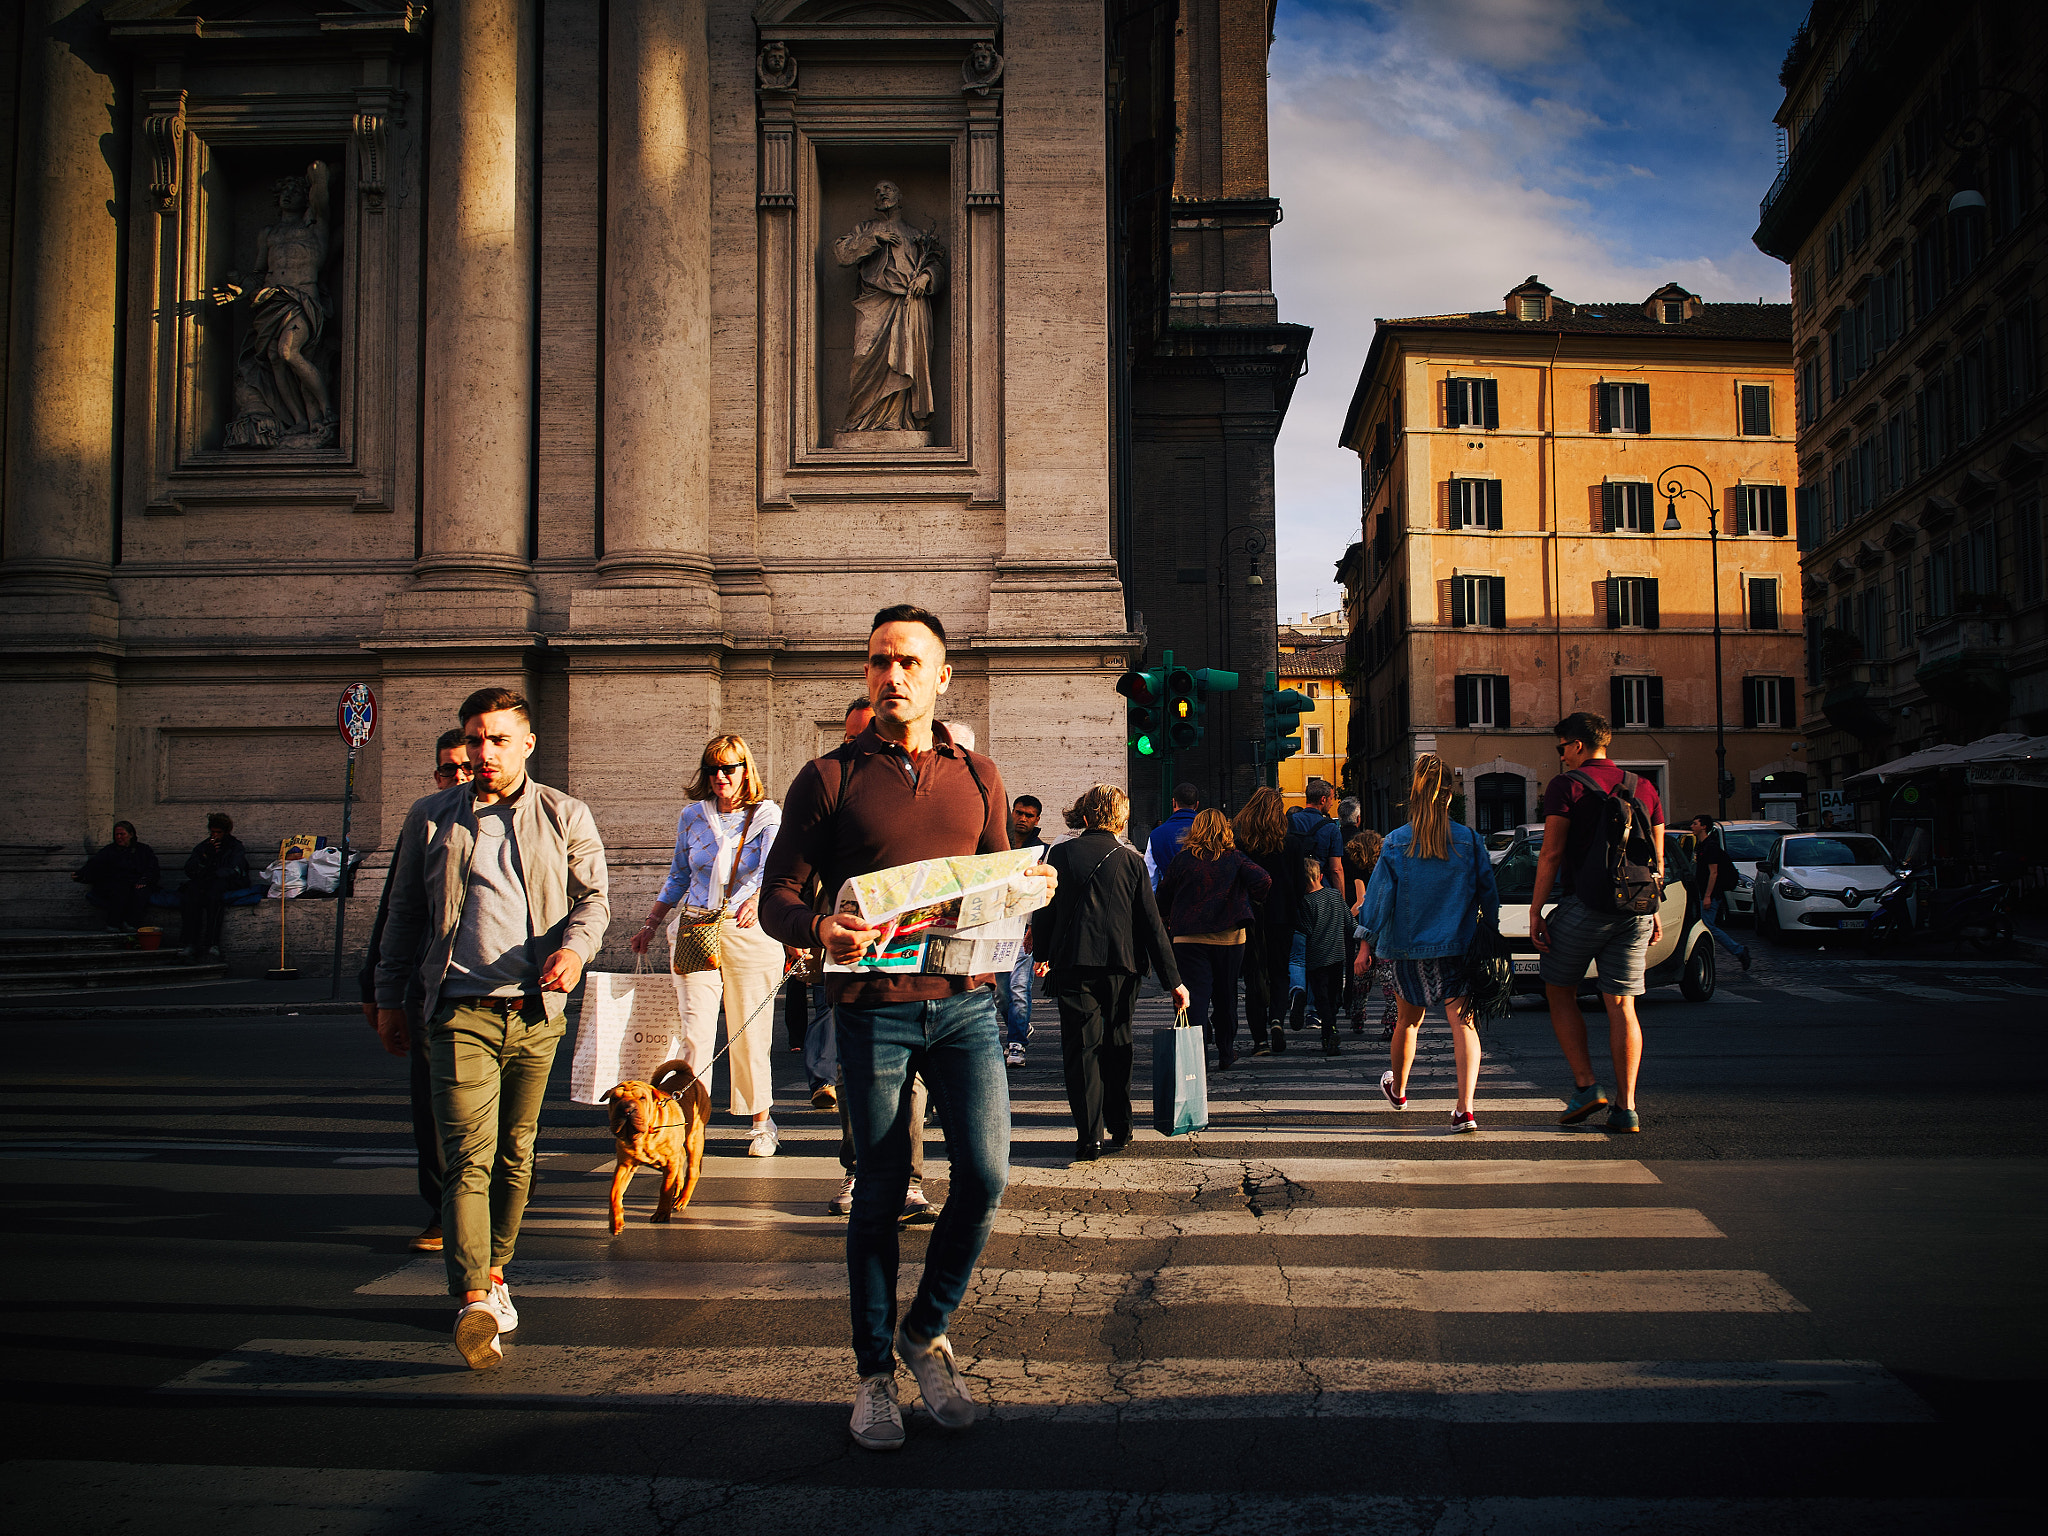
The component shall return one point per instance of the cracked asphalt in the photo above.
(1293, 1321)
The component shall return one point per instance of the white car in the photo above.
(1821, 882)
(1746, 842)
(1498, 844)
(1683, 955)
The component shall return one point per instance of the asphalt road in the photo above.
(1807, 1297)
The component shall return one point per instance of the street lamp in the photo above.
(1251, 541)
(1673, 489)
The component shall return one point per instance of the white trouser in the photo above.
(750, 965)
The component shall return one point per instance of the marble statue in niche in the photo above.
(981, 69)
(282, 393)
(901, 267)
(775, 69)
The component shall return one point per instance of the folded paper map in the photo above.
(942, 914)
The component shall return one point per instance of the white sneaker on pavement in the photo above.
(877, 1422)
(501, 1303)
(938, 1380)
(763, 1140)
(841, 1204)
(476, 1335)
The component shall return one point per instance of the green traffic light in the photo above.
(1144, 746)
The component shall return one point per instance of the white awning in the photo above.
(2002, 747)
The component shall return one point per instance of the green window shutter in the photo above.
(1500, 704)
(1656, 702)
(1490, 390)
(1500, 601)
(1614, 709)
(1752, 688)
(1603, 394)
(1462, 689)
(1642, 406)
(1650, 603)
(1614, 602)
(1461, 614)
(1777, 511)
(1493, 504)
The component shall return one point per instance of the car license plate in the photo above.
(1854, 922)
(1528, 967)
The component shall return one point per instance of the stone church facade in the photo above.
(512, 341)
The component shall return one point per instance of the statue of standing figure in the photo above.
(281, 391)
(901, 267)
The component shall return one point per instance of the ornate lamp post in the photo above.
(1674, 488)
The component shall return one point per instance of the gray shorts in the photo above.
(1618, 944)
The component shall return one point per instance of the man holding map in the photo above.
(900, 793)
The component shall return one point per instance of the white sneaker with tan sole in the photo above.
(476, 1335)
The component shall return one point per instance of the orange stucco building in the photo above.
(1516, 564)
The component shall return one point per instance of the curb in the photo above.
(105, 1014)
(2035, 950)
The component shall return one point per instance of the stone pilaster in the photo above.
(59, 625)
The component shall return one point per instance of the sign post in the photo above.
(356, 719)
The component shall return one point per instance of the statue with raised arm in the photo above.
(901, 267)
(282, 394)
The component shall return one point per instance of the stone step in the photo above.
(54, 941)
(171, 969)
(65, 958)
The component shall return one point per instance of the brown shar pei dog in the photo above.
(658, 1126)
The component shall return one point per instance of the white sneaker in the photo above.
(841, 1204)
(501, 1303)
(1014, 1056)
(476, 1335)
(877, 1422)
(917, 1211)
(763, 1140)
(938, 1380)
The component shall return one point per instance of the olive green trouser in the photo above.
(490, 1072)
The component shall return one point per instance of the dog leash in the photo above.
(732, 1036)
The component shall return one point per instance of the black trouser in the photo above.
(424, 1135)
(202, 903)
(1326, 986)
(1267, 953)
(1095, 1048)
(1209, 972)
(122, 904)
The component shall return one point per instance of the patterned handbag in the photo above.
(694, 939)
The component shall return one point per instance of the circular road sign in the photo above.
(356, 717)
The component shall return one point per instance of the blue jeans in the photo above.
(955, 1044)
(1014, 1001)
(1297, 975)
(1712, 915)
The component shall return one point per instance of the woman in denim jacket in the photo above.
(1421, 911)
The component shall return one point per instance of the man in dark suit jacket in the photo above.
(1098, 935)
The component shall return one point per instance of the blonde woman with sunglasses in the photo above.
(722, 842)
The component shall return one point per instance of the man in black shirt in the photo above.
(1718, 875)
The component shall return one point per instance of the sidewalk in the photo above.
(226, 999)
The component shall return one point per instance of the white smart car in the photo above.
(1820, 882)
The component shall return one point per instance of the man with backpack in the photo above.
(1603, 829)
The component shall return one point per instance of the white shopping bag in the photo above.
(287, 880)
(630, 1025)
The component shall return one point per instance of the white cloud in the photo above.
(1415, 183)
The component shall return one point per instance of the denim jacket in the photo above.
(1426, 909)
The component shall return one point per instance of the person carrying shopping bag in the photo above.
(1421, 912)
(1209, 894)
(714, 886)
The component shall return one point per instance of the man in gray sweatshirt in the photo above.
(499, 890)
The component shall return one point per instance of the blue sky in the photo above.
(1430, 154)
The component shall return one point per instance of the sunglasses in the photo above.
(720, 770)
(447, 771)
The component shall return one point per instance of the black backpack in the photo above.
(1299, 847)
(1618, 871)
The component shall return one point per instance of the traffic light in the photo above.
(1181, 726)
(1282, 712)
(1146, 692)
(1210, 680)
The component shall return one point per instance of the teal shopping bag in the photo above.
(1180, 1079)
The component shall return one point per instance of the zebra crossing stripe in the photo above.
(1617, 1222)
(1100, 1292)
(1190, 1177)
(1083, 1392)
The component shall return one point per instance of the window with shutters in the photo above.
(1529, 307)
(1838, 495)
(2012, 184)
(1937, 583)
(1673, 311)
(1471, 403)
(1814, 626)
(2016, 355)
(1632, 602)
(1475, 503)
(1479, 601)
(1809, 516)
(1481, 700)
(1756, 410)
(1767, 702)
(1968, 240)
(1870, 621)
(1810, 401)
(1856, 220)
(1763, 602)
(1624, 407)
(1638, 702)
(1892, 467)
(2026, 549)
(1902, 602)
(1930, 271)
(1931, 409)
(1630, 506)
(1891, 178)
(1809, 282)
(1314, 690)
(1978, 566)
(1760, 509)
(1863, 474)
(1973, 411)
(1838, 247)
(1312, 741)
